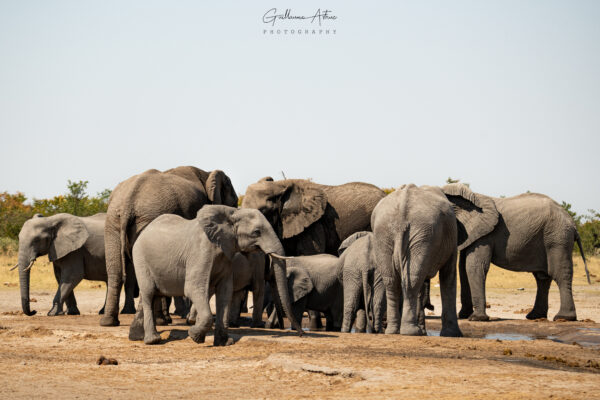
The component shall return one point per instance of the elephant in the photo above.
(311, 218)
(178, 257)
(135, 202)
(417, 232)
(361, 280)
(534, 234)
(248, 274)
(335, 285)
(74, 245)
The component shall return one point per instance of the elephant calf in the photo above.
(335, 286)
(74, 245)
(174, 256)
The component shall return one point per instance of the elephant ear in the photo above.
(220, 190)
(476, 214)
(351, 239)
(299, 283)
(218, 227)
(302, 206)
(70, 234)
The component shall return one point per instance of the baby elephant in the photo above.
(178, 257)
(339, 286)
(74, 245)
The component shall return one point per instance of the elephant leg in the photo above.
(114, 270)
(130, 284)
(223, 299)
(192, 316)
(477, 265)
(448, 293)
(351, 302)
(157, 310)
(151, 335)
(258, 298)
(361, 321)
(315, 320)
(394, 300)
(136, 330)
(199, 295)
(412, 279)
(560, 267)
(70, 279)
(56, 304)
(234, 308)
(180, 307)
(272, 320)
(71, 303)
(422, 303)
(466, 302)
(55, 310)
(165, 309)
(540, 307)
(103, 307)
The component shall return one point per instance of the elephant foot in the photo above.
(54, 311)
(392, 330)
(465, 313)
(161, 321)
(451, 332)
(190, 321)
(411, 330)
(198, 335)
(479, 317)
(533, 314)
(257, 324)
(222, 339)
(429, 306)
(153, 338)
(565, 317)
(128, 309)
(109, 320)
(136, 332)
(101, 312)
(73, 311)
(168, 318)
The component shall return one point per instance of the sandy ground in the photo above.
(507, 358)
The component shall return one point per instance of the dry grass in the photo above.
(42, 275)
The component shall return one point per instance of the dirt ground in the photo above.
(507, 358)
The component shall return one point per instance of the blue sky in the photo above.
(504, 95)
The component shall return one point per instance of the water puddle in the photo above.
(586, 337)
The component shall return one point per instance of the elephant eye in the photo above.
(256, 233)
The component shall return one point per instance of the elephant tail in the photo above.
(367, 298)
(124, 221)
(578, 240)
(401, 247)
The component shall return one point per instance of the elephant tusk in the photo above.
(16, 266)
(280, 257)
(29, 266)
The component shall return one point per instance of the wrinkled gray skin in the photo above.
(310, 218)
(248, 275)
(178, 257)
(336, 286)
(416, 231)
(362, 283)
(136, 202)
(534, 234)
(74, 245)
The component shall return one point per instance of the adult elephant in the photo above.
(534, 234)
(310, 218)
(416, 231)
(134, 203)
(74, 245)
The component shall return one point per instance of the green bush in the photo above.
(9, 246)
(14, 211)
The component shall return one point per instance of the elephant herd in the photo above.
(350, 252)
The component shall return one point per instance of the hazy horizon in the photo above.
(504, 95)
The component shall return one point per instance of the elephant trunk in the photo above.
(24, 275)
(279, 271)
